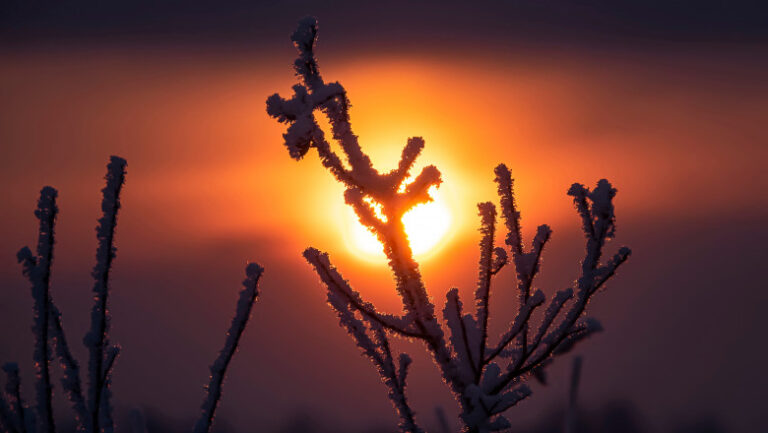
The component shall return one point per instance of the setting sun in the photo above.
(426, 226)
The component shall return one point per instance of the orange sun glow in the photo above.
(426, 226)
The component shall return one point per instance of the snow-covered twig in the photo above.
(38, 270)
(16, 408)
(369, 335)
(469, 364)
(486, 267)
(526, 263)
(96, 340)
(219, 367)
(340, 287)
(70, 380)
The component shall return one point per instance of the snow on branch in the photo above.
(339, 290)
(219, 367)
(17, 416)
(70, 380)
(369, 333)
(487, 268)
(465, 337)
(38, 270)
(486, 379)
(94, 414)
(96, 340)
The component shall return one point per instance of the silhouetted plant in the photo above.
(95, 415)
(486, 379)
(219, 367)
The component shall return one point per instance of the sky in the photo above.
(667, 101)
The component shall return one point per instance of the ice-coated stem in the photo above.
(70, 380)
(96, 340)
(16, 409)
(38, 270)
(219, 367)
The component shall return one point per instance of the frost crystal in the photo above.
(468, 362)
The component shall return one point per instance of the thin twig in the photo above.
(219, 367)
(38, 270)
(97, 338)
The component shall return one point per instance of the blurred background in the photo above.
(668, 101)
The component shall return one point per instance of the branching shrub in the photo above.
(95, 413)
(486, 378)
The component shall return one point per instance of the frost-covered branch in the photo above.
(38, 270)
(96, 340)
(598, 222)
(526, 263)
(15, 413)
(369, 333)
(338, 286)
(70, 380)
(518, 325)
(219, 367)
(95, 414)
(486, 379)
(464, 335)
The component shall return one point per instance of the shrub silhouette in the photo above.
(486, 378)
(95, 413)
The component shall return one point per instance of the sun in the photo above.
(426, 226)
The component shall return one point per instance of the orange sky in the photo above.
(679, 136)
(203, 153)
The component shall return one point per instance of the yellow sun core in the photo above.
(425, 225)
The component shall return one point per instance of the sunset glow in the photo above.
(426, 225)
